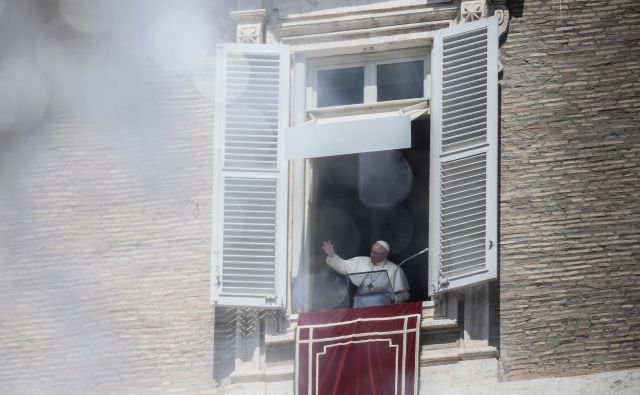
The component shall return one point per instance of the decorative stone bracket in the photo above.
(500, 9)
(473, 10)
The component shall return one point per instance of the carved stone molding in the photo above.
(472, 10)
(250, 25)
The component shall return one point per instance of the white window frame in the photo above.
(304, 82)
(305, 105)
(303, 97)
(370, 63)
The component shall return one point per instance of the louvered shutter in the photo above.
(250, 176)
(464, 156)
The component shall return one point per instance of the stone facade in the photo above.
(569, 209)
(105, 260)
(105, 234)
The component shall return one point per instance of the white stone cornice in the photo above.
(365, 41)
(341, 22)
(362, 29)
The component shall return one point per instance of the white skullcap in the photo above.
(384, 245)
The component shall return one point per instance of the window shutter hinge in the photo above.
(443, 280)
(216, 258)
(490, 244)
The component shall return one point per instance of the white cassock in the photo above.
(361, 264)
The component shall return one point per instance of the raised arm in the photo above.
(338, 264)
(327, 247)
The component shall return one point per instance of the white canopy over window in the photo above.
(350, 134)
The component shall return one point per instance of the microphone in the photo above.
(413, 256)
(393, 280)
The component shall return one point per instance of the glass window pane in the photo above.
(400, 80)
(338, 87)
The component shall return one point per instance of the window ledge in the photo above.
(447, 356)
(428, 323)
(435, 325)
(431, 323)
(280, 338)
(269, 375)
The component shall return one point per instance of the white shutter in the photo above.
(464, 156)
(250, 176)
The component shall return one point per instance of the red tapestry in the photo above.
(366, 350)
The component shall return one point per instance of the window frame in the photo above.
(369, 61)
(299, 103)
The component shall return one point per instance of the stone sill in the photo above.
(428, 323)
(270, 375)
(449, 356)
(280, 338)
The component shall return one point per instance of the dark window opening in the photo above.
(361, 198)
(339, 87)
(398, 81)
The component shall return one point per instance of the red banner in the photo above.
(359, 351)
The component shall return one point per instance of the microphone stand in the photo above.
(393, 280)
(414, 255)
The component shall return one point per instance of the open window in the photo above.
(362, 197)
(372, 154)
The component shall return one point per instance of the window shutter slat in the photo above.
(463, 190)
(249, 226)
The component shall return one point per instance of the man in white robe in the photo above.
(375, 262)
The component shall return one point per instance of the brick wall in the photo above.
(569, 295)
(105, 250)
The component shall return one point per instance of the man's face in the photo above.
(378, 253)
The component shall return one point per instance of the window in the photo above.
(358, 199)
(250, 190)
(339, 87)
(402, 80)
(367, 79)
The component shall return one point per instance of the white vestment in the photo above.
(361, 264)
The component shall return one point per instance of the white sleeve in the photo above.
(400, 286)
(341, 266)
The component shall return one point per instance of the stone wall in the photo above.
(105, 249)
(570, 179)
